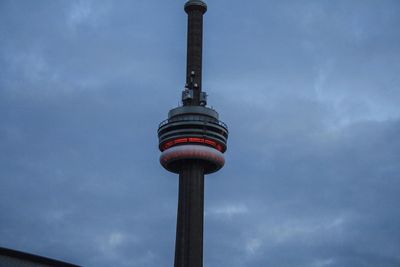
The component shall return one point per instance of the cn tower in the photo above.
(192, 142)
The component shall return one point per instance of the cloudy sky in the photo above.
(310, 91)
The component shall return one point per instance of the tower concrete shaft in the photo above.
(189, 228)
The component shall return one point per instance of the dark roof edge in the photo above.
(33, 258)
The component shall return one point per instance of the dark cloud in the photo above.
(308, 88)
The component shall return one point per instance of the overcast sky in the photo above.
(310, 91)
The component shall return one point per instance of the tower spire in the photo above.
(195, 10)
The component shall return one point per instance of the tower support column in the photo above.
(189, 234)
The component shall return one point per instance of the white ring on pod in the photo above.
(199, 152)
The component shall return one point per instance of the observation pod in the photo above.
(192, 133)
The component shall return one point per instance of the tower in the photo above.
(192, 142)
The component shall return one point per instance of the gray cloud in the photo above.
(308, 89)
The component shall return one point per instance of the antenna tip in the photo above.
(195, 4)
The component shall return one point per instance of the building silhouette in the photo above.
(14, 258)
